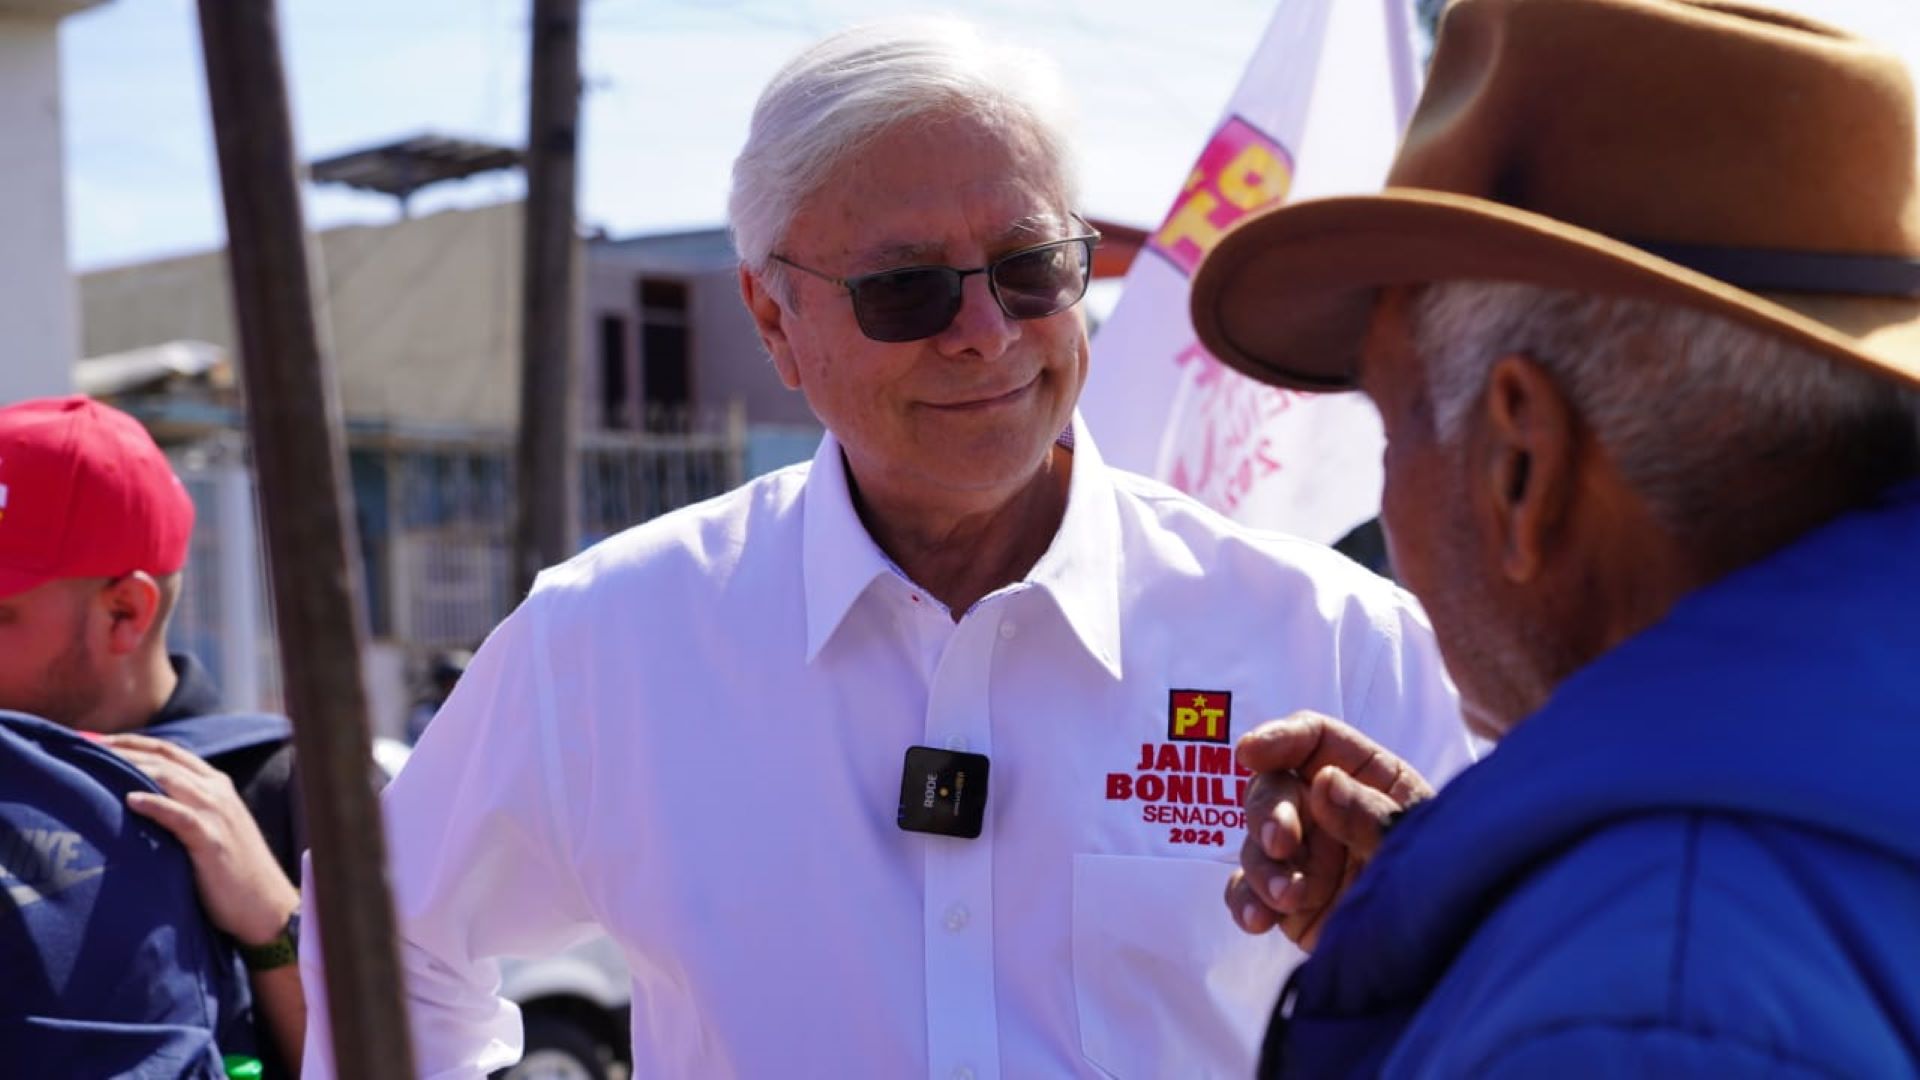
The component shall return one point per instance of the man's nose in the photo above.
(980, 327)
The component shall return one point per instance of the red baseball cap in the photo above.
(85, 492)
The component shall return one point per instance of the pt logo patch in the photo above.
(1199, 716)
(1190, 783)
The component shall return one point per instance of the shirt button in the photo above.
(962, 1073)
(957, 918)
(956, 742)
(1008, 630)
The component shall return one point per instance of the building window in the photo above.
(616, 384)
(666, 379)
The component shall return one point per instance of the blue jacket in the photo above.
(107, 965)
(1701, 858)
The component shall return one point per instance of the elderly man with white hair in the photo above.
(916, 760)
(1641, 312)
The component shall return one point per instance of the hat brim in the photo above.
(14, 582)
(1285, 296)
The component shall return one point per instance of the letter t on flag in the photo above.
(1319, 111)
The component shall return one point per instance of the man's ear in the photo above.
(130, 607)
(1529, 462)
(769, 318)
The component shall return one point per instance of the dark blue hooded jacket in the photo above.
(1701, 858)
(108, 965)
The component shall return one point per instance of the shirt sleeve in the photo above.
(478, 868)
(1403, 697)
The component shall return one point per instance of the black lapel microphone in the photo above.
(943, 792)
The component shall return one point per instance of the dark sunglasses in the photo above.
(914, 302)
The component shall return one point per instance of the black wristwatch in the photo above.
(284, 949)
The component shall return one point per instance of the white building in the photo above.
(37, 306)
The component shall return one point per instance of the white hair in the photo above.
(853, 86)
(1687, 403)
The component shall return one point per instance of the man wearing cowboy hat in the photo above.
(1641, 312)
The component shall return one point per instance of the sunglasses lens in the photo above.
(921, 301)
(906, 305)
(1043, 281)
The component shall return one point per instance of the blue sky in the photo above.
(670, 86)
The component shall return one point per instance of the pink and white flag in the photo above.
(1319, 111)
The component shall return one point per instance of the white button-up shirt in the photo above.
(691, 738)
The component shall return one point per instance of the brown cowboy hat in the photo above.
(1714, 155)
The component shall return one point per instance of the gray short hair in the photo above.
(1688, 403)
(853, 86)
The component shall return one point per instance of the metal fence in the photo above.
(434, 519)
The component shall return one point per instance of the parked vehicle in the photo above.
(575, 1005)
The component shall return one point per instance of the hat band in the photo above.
(1772, 270)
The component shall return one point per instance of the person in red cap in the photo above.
(94, 533)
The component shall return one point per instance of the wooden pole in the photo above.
(293, 419)
(547, 501)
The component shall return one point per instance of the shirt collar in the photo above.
(838, 559)
(1080, 570)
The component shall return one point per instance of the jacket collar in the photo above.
(194, 692)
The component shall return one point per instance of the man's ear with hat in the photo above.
(1721, 156)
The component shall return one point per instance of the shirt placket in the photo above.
(962, 1021)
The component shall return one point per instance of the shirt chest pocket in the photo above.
(1164, 983)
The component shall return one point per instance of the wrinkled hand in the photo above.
(243, 889)
(1321, 797)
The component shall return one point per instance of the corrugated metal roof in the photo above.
(401, 168)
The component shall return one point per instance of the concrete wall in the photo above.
(728, 362)
(425, 319)
(36, 291)
(424, 315)
(185, 298)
